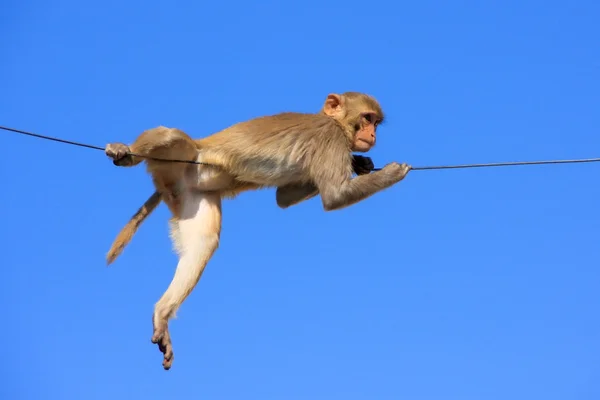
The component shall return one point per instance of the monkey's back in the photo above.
(274, 150)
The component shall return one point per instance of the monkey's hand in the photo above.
(362, 165)
(119, 153)
(396, 171)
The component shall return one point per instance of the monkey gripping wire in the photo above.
(424, 168)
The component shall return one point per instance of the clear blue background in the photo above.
(465, 284)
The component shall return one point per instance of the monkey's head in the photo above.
(359, 114)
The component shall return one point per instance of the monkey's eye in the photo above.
(371, 118)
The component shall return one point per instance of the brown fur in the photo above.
(124, 237)
(300, 154)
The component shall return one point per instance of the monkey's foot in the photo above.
(119, 153)
(162, 338)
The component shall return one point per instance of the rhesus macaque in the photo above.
(300, 154)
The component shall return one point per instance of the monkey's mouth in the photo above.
(371, 144)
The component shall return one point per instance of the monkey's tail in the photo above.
(124, 237)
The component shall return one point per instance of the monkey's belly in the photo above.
(257, 169)
(269, 171)
(270, 177)
(206, 178)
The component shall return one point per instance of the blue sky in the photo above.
(464, 284)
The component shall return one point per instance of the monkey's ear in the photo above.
(332, 105)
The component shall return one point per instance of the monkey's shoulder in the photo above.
(287, 120)
(281, 125)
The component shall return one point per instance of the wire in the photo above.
(503, 164)
(424, 168)
(89, 146)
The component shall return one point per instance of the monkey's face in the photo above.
(365, 135)
(359, 113)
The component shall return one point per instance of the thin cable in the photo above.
(503, 164)
(425, 168)
(89, 146)
(508, 164)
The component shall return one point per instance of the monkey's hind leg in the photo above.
(196, 237)
(160, 142)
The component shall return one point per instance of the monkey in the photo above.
(302, 155)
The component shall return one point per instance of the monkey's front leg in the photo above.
(293, 194)
(335, 197)
(195, 237)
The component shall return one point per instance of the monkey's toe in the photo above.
(162, 339)
(405, 168)
(166, 347)
(167, 362)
